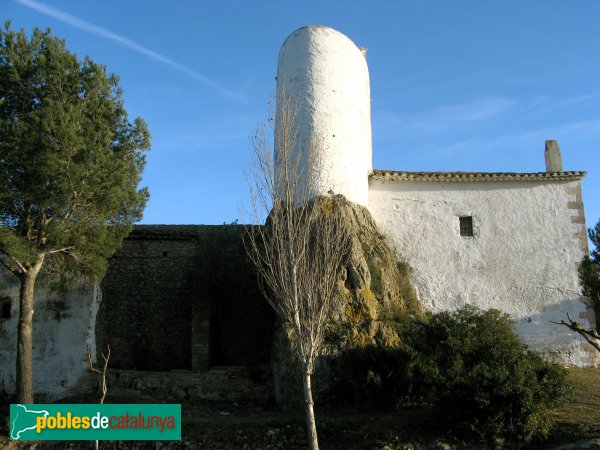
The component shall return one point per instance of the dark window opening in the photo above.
(6, 306)
(466, 226)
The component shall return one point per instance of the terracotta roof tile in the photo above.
(462, 177)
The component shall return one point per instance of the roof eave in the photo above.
(462, 177)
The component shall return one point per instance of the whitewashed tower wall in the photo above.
(323, 77)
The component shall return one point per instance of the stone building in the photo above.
(184, 298)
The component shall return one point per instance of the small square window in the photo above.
(466, 226)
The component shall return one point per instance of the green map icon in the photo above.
(24, 419)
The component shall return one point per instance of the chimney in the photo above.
(553, 158)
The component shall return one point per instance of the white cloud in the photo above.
(123, 41)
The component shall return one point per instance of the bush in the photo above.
(372, 377)
(589, 272)
(479, 373)
(470, 365)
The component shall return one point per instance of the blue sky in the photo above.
(462, 85)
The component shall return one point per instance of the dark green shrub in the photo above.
(589, 272)
(469, 364)
(478, 372)
(371, 377)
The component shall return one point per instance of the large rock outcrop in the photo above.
(377, 302)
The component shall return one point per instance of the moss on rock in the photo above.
(377, 302)
(377, 296)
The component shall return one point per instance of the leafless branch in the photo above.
(99, 369)
(59, 250)
(589, 334)
(18, 263)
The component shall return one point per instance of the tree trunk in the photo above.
(25, 334)
(311, 424)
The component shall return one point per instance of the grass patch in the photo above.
(579, 417)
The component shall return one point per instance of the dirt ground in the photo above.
(235, 426)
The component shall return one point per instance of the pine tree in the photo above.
(70, 165)
(589, 272)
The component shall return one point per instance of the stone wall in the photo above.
(231, 384)
(183, 297)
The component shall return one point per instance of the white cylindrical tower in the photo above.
(324, 104)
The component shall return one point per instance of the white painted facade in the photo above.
(529, 229)
(324, 79)
(63, 324)
(522, 258)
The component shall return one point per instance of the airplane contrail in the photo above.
(123, 41)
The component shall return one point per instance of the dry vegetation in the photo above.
(227, 426)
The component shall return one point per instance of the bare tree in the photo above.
(100, 371)
(298, 254)
(589, 334)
